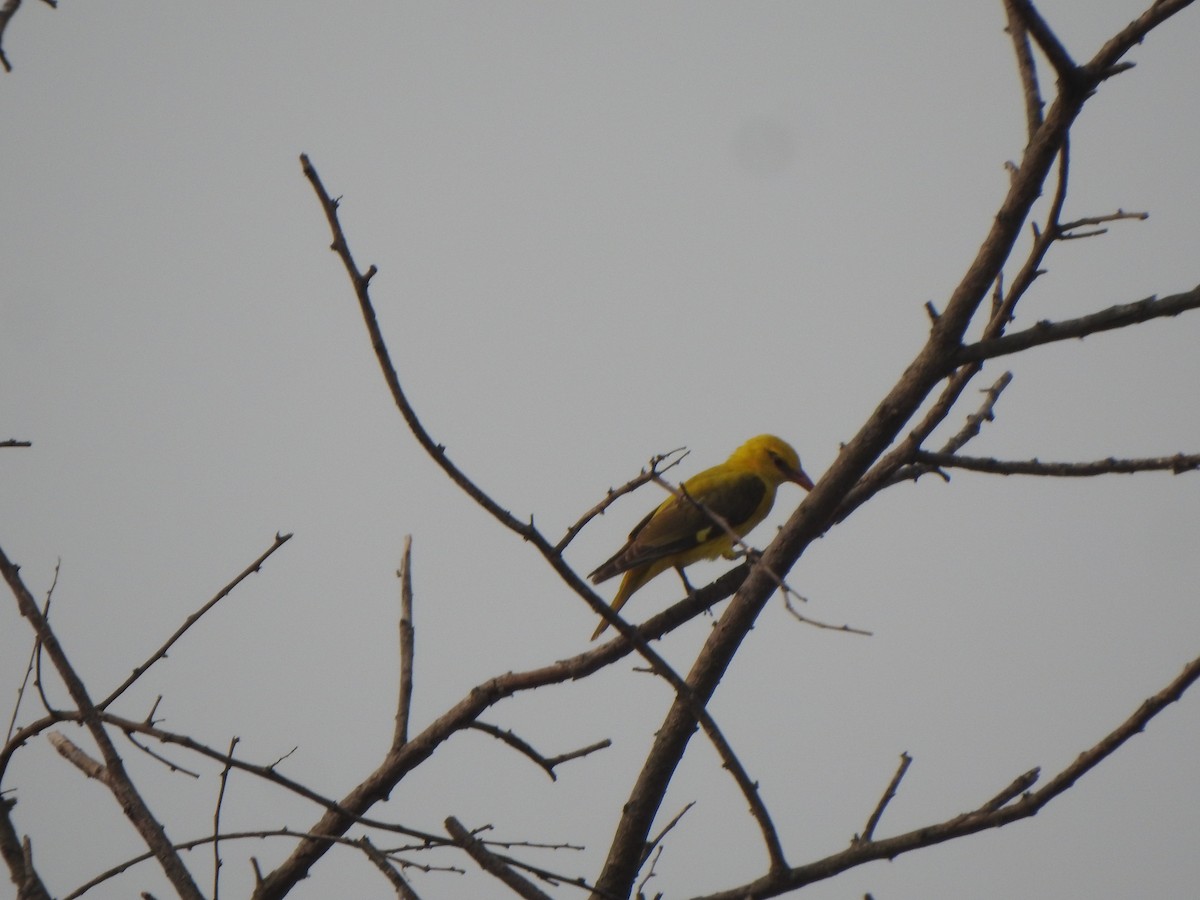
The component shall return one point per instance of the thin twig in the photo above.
(1177, 464)
(216, 844)
(1026, 68)
(6, 13)
(1089, 221)
(816, 623)
(869, 831)
(650, 873)
(523, 747)
(910, 393)
(656, 841)
(171, 765)
(296, 866)
(407, 645)
(33, 652)
(128, 864)
(437, 452)
(116, 778)
(161, 652)
(1019, 785)
(493, 864)
(1032, 21)
(975, 420)
(267, 773)
(1000, 810)
(402, 888)
(553, 761)
(647, 474)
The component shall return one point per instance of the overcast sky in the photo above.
(602, 231)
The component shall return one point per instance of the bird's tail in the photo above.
(633, 580)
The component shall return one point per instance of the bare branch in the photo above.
(1177, 464)
(1019, 785)
(999, 811)
(116, 779)
(158, 757)
(403, 890)
(18, 856)
(1106, 63)
(650, 873)
(1032, 22)
(656, 841)
(306, 854)
(407, 645)
(647, 474)
(228, 836)
(493, 864)
(161, 652)
(1046, 332)
(974, 423)
(75, 756)
(361, 282)
(815, 623)
(525, 749)
(1026, 68)
(216, 844)
(267, 773)
(33, 652)
(437, 452)
(1088, 221)
(729, 759)
(872, 822)
(6, 13)
(817, 511)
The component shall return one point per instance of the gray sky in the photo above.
(603, 231)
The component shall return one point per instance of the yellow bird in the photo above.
(741, 491)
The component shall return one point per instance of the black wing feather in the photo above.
(679, 525)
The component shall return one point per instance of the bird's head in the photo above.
(773, 459)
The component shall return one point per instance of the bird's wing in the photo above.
(679, 525)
